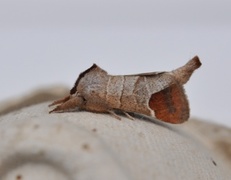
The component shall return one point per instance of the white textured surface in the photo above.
(35, 144)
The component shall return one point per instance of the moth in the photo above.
(157, 94)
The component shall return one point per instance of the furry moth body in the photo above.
(157, 94)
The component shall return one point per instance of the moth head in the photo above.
(69, 103)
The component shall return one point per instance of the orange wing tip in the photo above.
(170, 105)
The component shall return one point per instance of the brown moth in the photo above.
(156, 94)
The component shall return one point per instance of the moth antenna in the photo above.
(184, 73)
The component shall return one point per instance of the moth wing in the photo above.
(147, 74)
(94, 68)
(170, 104)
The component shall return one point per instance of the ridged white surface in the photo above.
(81, 145)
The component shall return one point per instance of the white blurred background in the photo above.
(47, 42)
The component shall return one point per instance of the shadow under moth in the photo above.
(156, 94)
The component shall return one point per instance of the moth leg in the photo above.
(69, 105)
(114, 114)
(59, 101)
(128, 115)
